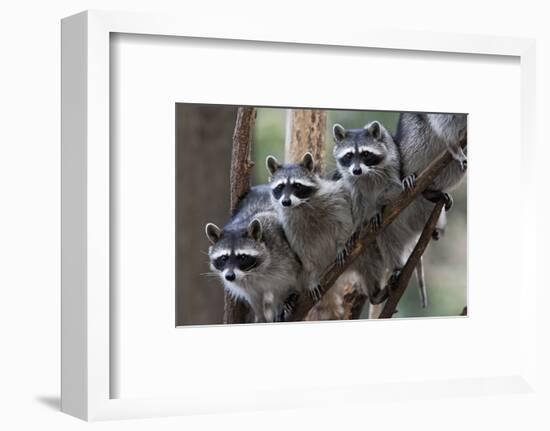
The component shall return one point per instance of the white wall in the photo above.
(30, 183)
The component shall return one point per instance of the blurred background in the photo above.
(203, 157)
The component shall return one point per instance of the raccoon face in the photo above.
(292, 184)
(359, 152)
(236, 254)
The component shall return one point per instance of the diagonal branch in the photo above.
(398, 289)
(366, 236)
(241, 168)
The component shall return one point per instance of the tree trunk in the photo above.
(203, 155)
(305, 131)
(241, 167)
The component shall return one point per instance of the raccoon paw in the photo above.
(341, 257)
(384, 293)
(375, 222)
(350, 243)
(315, 293)
(463, 161)
(288, 307)
(380, 296)
(448, 199)
(392, 281)
(409, 182)
(435, 196)
(348, 247)
(437, 234)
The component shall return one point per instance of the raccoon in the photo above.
(368, 161)
(253, 257)
(315, 214)
(421, 138)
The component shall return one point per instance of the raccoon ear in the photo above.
(307, 162)
(255, 229)
(212, 233)
(272, 164)
(338, 132)
(374, 129)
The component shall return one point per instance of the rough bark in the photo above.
(241, 165)
(203, 132)
(398, 289)
(237, 311)
(367, 236)
(305, 131)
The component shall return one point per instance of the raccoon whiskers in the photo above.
(319, 225)
(209, 274)
(308, 204)
(375, 175)
(251, 255)
(378, 175)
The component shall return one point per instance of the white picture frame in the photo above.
(87, 338)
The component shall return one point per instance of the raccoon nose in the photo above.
(286, 202)
(357, 171)
(230, 276)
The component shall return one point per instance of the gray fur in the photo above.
(422, 137)
(372, 187)
(255, 226)
(316, 226)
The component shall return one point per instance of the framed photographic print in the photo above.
(269, 274)
(237, 200)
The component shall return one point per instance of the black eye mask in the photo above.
(301, 191)
(221, 262)
(346, 160)
(371, 159)
(244, 262)
(278, 191)
(367, 158)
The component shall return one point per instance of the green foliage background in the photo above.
(445, 262)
